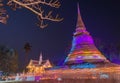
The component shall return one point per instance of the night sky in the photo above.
(101, 18)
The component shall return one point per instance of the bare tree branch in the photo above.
(3, 13)
(51, 3)
(35, 7)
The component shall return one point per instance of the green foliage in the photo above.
(8, 59)
(27, 47)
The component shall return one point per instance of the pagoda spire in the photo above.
(40, 58)
(80, 23)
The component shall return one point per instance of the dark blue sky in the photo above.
(102, 20)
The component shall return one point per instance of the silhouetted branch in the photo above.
(35, 7)
(3, 13)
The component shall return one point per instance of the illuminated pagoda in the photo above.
(83, 47)
(85, 61)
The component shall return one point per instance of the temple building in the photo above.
(38, 66)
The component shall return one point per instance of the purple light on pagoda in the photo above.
(83, 48)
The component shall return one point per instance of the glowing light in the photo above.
(84, 65)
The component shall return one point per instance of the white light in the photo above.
(59, 79)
